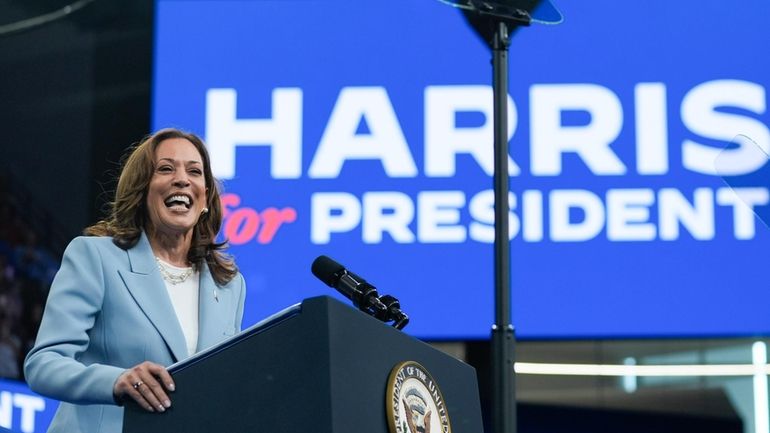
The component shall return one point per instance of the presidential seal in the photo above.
(414, 403)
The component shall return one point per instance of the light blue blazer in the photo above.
(108, 310)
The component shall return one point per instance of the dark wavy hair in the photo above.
(128, 213)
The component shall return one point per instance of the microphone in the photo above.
(350, 285)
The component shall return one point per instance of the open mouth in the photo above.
(178, 202)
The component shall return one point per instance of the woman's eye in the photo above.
(196, 171)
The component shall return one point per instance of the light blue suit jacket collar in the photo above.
(146, 285)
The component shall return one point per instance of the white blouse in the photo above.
(184, 297)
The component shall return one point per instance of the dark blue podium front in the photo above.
(322, 367)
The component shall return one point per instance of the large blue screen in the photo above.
(362, 130)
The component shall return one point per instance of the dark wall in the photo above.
(75, 93)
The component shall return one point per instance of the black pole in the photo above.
(503, 336)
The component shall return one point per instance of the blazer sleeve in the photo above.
(241, 303)
(53, 367)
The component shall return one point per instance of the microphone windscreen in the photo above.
(326, 270)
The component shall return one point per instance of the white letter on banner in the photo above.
(482, 210)
(743, 201)
(332, 212)
(438, 216)
(6, 409)
(628, 215)
(651, 128)
(562, 229)
(532, 215)
(444, 140)
(591, 142)
(396, 222)
(700, 115)
(385, 140)
(29, 404)
(283, 133)
(697, 218)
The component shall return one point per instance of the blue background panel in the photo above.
(693, 284)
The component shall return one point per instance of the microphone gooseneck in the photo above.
(364, 295)
(350, 285)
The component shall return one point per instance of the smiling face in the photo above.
(176, 195)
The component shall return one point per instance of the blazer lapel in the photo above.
(148, 290)
(213, 302)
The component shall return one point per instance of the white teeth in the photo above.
(180, 198)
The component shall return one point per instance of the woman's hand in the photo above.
(147, 384)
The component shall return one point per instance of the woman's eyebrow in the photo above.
(192, 161)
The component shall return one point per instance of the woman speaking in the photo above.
(148, 286)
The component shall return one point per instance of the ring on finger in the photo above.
(138, 384)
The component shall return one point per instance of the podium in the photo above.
(320, 367)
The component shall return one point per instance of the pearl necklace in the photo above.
(173, 278)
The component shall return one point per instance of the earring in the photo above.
(205, 210)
